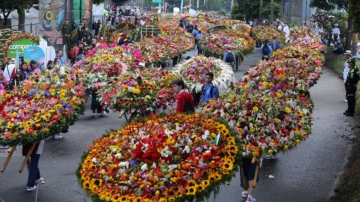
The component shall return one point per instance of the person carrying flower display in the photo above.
(274, 44)
(229, 56)
(352, 79)
(247, 175)
(95, 105)
(266, 50)
(184, 100)
(9, 71)
(208, 90)
(34, 172)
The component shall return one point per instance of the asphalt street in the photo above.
(305, 174)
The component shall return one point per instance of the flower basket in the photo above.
(173, 158)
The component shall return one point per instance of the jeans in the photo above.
(34, 172)
(249, 171)
(346, 91)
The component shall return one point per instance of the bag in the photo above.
(230, 57)
(265, 50)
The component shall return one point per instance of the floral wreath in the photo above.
(15, 37)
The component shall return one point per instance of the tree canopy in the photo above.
(249, 9)
(7, 6)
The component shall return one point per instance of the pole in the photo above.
(232, 4)
(272, 11)
(80, 17)
(261, 3)
(197, 4)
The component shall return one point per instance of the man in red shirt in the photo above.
(185, 101)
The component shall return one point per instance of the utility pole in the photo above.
(232, 4)
(261, 3)
(197, 4)
(272, 11)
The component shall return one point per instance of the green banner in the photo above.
(21, 45)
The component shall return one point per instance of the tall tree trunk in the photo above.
(21, 14)
(349, 34)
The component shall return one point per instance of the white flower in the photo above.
(206, 135)
(118, 156)
(186, 149)
(124, 164)
(144, 167)
(165, 152)
(168, 132)
(94, 160)
(172, 167)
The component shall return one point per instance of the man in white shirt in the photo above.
(286, 29)
(336, 32)
(9, 71)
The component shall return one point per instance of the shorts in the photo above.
(249, 170)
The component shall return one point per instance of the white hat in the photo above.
(358, 44)
(336, 24)
(348, 52)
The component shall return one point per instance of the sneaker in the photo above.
(244, 194)
(30, 188)
(103, 113)
(97, 115)
(250, 199)
(345, 100)
(58, 136)
(41, 180)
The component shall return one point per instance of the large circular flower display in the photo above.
(46, 104)
(246, 42)
(173, 158)
(193, 72)
(215, 44)
(263, 33)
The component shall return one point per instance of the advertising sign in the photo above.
(20, 45)
(34, 53)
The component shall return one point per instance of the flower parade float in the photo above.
(215, 43)
(263, 33)
(246, 42)
(178, 157)
(270, 107)
(45, 104)
(193, 72)
(138, 94)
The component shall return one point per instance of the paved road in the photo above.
(304, 174)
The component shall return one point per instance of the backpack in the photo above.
(230, 57)
(265, 50)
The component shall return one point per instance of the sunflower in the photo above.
(123, 198)
(212, 177)
(10, 126)
(205, 183)
(86, 184)
(8, 95)
(191, 190)
(217, 176)
(171, 199)
(200, 188)
(24, 92)
(58, 106)
(26, 127)
(191, 183)
(94, 188)
(227, 166)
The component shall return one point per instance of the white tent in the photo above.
(31, 17)
(98, 12)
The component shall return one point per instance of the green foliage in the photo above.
(222, 12)
(330, 4)
(250, 9)
(97, 2)
(326, 21)
(354, 10)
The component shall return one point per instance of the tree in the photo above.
(222, 12)
(339, 4)
(249, 9)
(7, 6)
(354, 10)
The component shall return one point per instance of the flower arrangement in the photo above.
(214, 44)
(177, 44)
(202, 25)
(42, 107)
(151, 51)
(174, 158)
(193, 72)
(229, 23)
(246, 42)
(243, 28)
(263, 33)
(138, 93)
(270, 108)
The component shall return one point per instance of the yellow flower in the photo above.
(24, 92)
(205, 183)
(136, 91)
(14, 114)
(255, 109)
(10, 126)
(26, 127)
(277, 120)
(8, 96)
(86, 184)
(288, 110)
(191, 190)
(58, 106)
